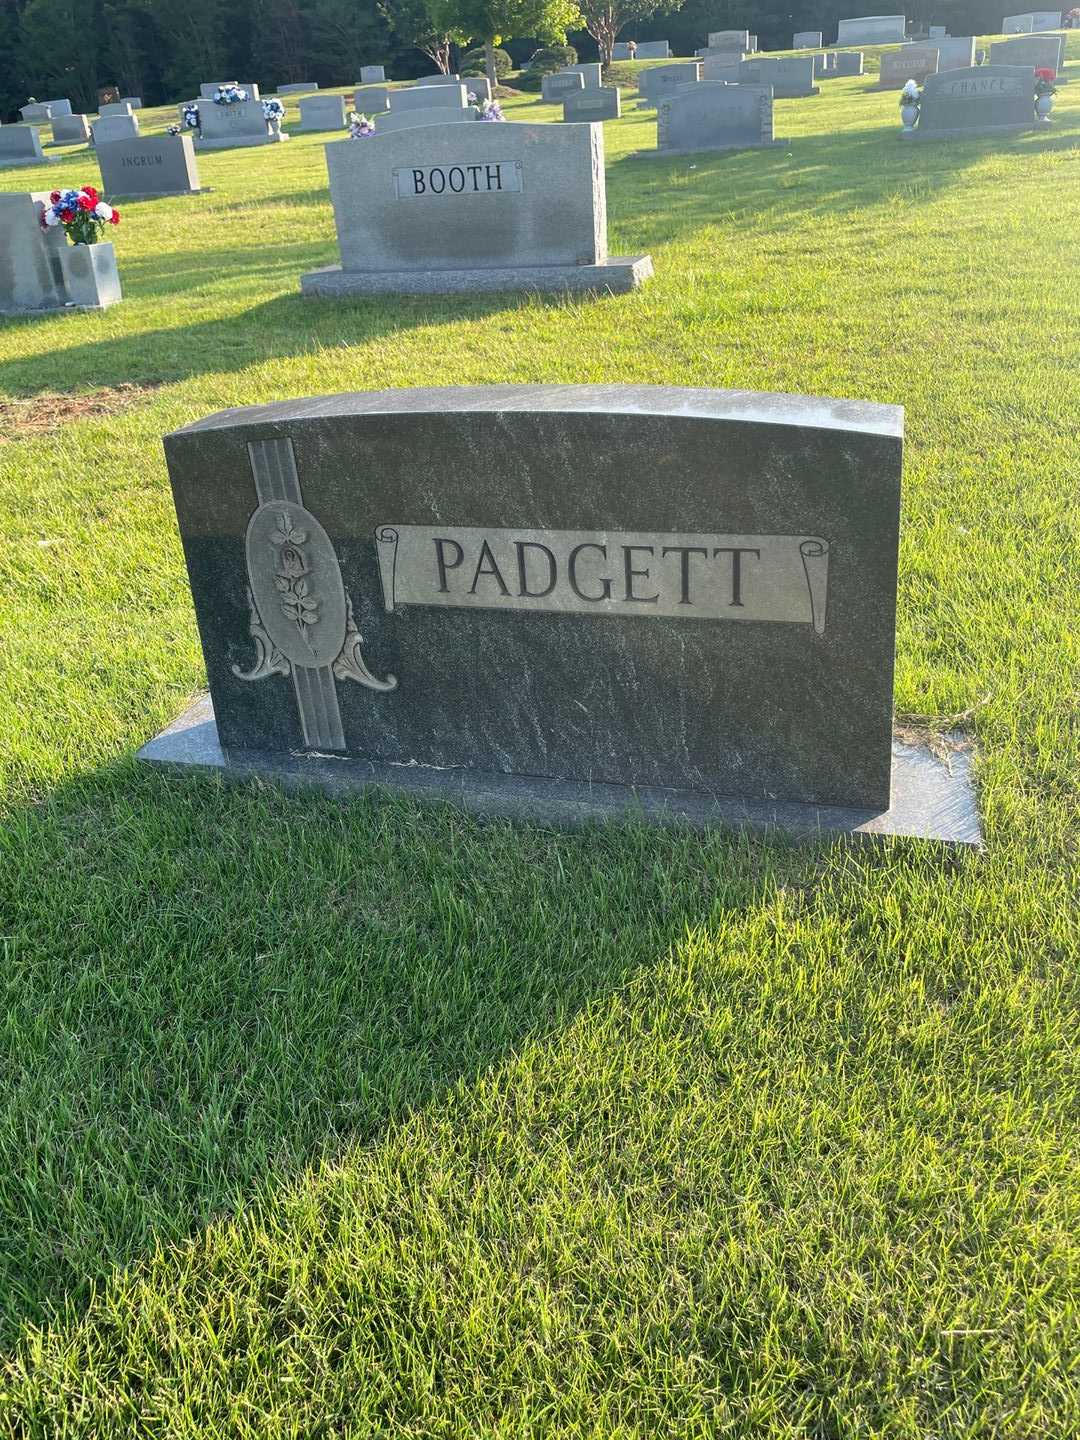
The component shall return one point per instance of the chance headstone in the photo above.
(717, 620)
(470, 208)
(31, 277)
(596, 102)
(984, 99)
(150, 166)
(871, 30)
(714, 116)
(322, 112)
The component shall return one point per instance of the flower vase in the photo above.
(1043, 105)
(909, 114)
(90, 275)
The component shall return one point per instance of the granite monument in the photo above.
(712, 116)
(149, 167)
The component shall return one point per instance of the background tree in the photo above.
(492, 22)
(604, 19)
(430, 26)
(58, 50)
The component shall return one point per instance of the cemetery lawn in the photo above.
(371, 1119)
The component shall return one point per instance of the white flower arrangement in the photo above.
(230, 95)
(491, 110)
(191, 119)
(273, 109)
(360, 126)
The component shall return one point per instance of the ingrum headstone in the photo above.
(148, 167)
(472, 208)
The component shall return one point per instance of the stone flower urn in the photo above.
(1043, 105)
(90, 275)
(909, 114)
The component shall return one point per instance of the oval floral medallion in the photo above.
(296, 583)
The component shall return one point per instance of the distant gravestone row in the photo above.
(1031, 21)
(871, 30)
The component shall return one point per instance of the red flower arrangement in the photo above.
(1044, 81)
(82, 213)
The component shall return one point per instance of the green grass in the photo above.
(370, 1119)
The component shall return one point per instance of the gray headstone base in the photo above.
(8, 164)
(721, 149)
(931, 799)
(619, 274)
(917, 134)
(237, 142)
(159, 194)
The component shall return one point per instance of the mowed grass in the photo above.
(371, 1119)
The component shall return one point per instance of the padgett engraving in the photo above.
(781, 578)
(486, 177)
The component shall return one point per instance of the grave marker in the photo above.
(225, 127)
(986, 99)
(149, 167)
(425, 96)
(1031, 22)
(602, 102)
(21, 145)
(913, 62)
(707, 632)
(556, 87)
(1039, 51)
(31, 276)
(114, 127)
(806, 40)
(791, 77)
(299, 87)
(871, 30)
(322, 112)
(662, 80)
(70, 130)
(472, 208)
(654, 50)
(712, 116)
(414, 119)
(372, 74)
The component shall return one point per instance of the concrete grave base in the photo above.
(158, 194)
(229, 142)
(916, 134)
(722, 149)
(618, 274)
(7, 163)
(932, 798)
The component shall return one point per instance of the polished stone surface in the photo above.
(31, 275)
(661, 81)
(716, 117)
(675, 588)
(493, 207)
(149, 167)
(595, 102)
(871, 30)
(791, 77)
(322, 112)
(983, 100)
(911, 62)
(933, 793)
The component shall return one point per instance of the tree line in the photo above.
(163, 49)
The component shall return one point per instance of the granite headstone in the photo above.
(661, 81)
(1031, 22)
(70, 129)
(591, 73)
(603, 102)
(1041, 52)
(806, 40)
(372, 99)
(423, 97)
(871, 30)
(470, 208)
(556, 87)
(729, 39)
(439, 79)
(115, 127)
(982, 100)
(298, 87)
(654, 50)
(686, 589)
(478, 86)
(791, 77)
(322, 112)
(148, 167)
(31, 275)
(913, 62)
(712, 116)
(415, 119)
(226, 127)
(372, 74)
(848, 62)
(21, 145)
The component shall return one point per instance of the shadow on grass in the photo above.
(660, 199)
(212, 987)
(286, 326)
